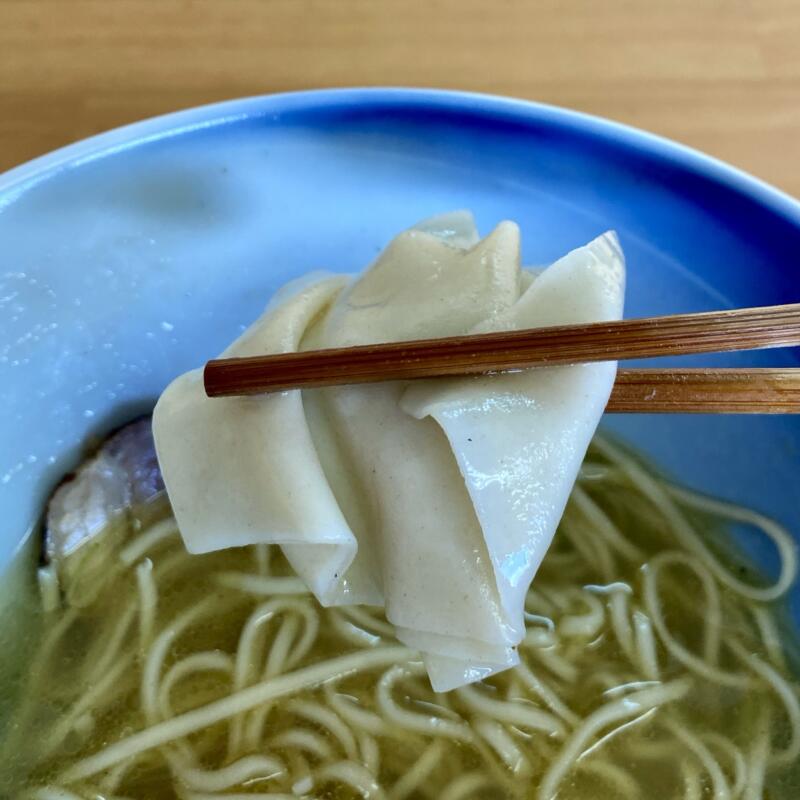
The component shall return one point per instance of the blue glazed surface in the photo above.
(133, 256)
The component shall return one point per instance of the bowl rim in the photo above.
(19, 179)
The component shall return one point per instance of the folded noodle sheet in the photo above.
(435, 499)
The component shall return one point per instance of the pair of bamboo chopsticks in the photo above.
(720, 391)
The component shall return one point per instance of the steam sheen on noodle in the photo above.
(651, 667)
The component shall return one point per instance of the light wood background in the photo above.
(721, 75)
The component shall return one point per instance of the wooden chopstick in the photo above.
(679, 334)
(706, 391)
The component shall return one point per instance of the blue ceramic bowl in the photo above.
(133, 256)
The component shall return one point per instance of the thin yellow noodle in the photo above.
(601, 525)
(148, 599)
(652, 749)
(84, 724)
(592, 471)
(693, 789)
(587, 625)
(113, 644)
(369, 752)
(621, 623)
(735, 755)
(560, 667)
(151, 673)
(712, 612)
(352, 774)
(310, 629)
(683, 531)
(547, 695)
(501, 741)
(93, 794)
(172, 563)
(504, 779)
(209, 661)
(240, 796)
(619, 687)
(363, 618)
(706, 758)
(103, 622)
(466, 786)
(107, 684)
(247, 769)
(329, 720)
(768, 631)
(785, 694)
(39, 668)
(625, 787)
(645, 645)
(52, 793)
(594, 551)
(688, 659)
(522, 715)
(616, 731)
(250, 729)
(418, 772)
(280, 651)
(514, 689)
(277, 660)
(300, 772)
(350, 632)
(147, 540)
(49, 589)
(114, 776)
(248, 657)
(302, 739)
(537, 638)
(262, 554)
(630, 706)
(411, 720)
(359, 717)
(244, 700)
(262, 585)
(758, 757)
(781, 538)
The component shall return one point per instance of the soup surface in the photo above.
(655, 665)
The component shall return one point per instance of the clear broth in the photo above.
(588, 628)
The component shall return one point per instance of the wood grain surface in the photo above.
(720, 75)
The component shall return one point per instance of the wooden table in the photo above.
(720, 75)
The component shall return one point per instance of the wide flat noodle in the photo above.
(436, 500)
(420, 524)
(520, 439)
(244, 470)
